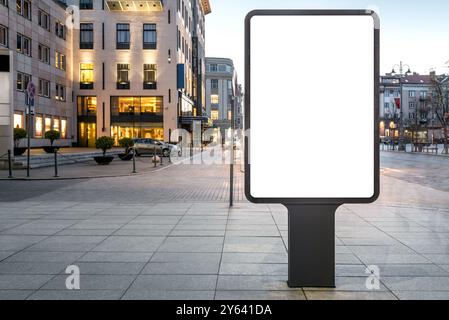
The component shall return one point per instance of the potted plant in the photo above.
(126, 143)
(19, 134)
(51, 135)
(104, 143)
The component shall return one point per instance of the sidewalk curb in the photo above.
(86, 178)
(417, 153)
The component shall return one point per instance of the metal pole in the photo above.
(231, 167)
(154, 157)
(134, 160)
(56, 163)
(9, 164)
(162, 156)
(28, 133)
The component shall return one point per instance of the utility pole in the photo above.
(231, 167)
(401, 65)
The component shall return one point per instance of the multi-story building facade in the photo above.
(39, 46)
(222, 91)
(141, 68)
(406, 105)
(127, 68)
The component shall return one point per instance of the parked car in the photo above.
(148, 146)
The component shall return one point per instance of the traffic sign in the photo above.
(31, 90)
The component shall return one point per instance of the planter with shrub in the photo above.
(19, 134)
(51, 135)
(104, 144)
(128, 144)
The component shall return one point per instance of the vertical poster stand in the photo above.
(311, 220)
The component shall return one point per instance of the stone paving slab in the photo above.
(133, 239)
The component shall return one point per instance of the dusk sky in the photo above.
(414, 31)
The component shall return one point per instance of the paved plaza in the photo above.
(169, 234)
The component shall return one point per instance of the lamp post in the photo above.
(401, 65)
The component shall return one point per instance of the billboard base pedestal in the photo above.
(311, 245)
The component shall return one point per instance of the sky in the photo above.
(413, 31)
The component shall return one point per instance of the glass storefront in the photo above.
(126, 130)
(87, 134)
(137, 117)
(87, 121)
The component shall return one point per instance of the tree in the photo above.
(104, 143)
(440, 105)
(19, 134)
(52, 135)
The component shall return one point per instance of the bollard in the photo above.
(154, 157)
(134, 160)
(9, 164)
(56, 163)
(169, 156)
(162, 156)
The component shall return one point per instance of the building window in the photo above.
(3, 36)
(38, 126)
(24, 8)
(86, 76)
(87, 106)
(43, 19)
(229, 115)
(22, 81)
(60, 30)
(214, 99)
(18, 120)
(86, 36)
(411, 94)
(214, 84)
(44, 53)
(60, 61)
(44, 88)
(213, 67)
(125, 106)
(4, 2)
(23, 45)
(150, 76)
(123, 76)
(86, 4)
(47, 124)
(149, 36)
(56, 124)
(214, 115)
(60, 93)
(411, 105)
(423, 94)
(123, 36)
(63, 128)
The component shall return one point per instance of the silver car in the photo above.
(149, 146)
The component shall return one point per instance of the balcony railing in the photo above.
(133, 6)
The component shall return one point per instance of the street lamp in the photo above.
(401, 65)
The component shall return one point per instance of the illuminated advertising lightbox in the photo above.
(311, 106)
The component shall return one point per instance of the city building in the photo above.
(39, 46)
(406, 104)
(126, 69)
(141, 68)
(222, 94)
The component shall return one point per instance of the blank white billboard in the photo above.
(312, 107)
